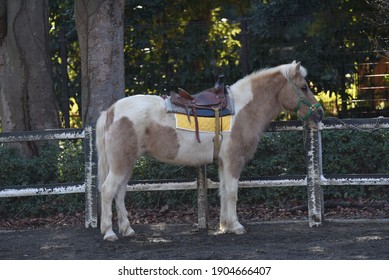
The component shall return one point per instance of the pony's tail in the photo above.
(103, 168)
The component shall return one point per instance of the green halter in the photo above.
(303, 100)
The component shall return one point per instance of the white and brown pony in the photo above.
(139, 125)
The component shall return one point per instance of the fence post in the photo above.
(202, 198)
(91, 193)
(313, 150)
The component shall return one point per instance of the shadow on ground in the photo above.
(281, 240)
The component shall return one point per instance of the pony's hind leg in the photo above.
(107, 193)
(124, 224)
(121, 150)
(113, 188)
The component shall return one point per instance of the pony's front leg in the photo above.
(124, 224)
(223, 201)
(228, 197)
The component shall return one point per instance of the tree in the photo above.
(100, 32)
(27, 100)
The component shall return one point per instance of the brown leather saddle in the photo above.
(212, 99)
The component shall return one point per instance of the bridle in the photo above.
(303, 100)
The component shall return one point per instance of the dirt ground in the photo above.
(264, 240)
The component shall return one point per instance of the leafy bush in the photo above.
(27, 171)
(147, 168)
(71, 161)
(356, 152)
(57, 163)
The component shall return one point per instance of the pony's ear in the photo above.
(295, 68)
(298, 66)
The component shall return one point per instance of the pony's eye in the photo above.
(304, 88)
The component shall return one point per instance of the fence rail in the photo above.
(313, 180)
(46, 189)
(42, 135)
(88, 186)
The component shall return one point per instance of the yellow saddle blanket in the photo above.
(206, 124)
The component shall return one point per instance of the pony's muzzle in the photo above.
(317, 115)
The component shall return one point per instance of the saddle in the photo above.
(212, 99)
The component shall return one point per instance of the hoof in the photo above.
(222, 230)
(237, 230)
(128, 232)
(110, 237)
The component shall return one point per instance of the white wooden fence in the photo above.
(314, 179)
(89, 187)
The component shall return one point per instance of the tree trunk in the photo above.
(100, 32)
(27, 99)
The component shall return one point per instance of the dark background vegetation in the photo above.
(187, 45)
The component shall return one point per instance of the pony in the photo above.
(139, 125)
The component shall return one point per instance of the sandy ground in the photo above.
(264, 240)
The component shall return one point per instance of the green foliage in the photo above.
(181, 45)
(355, 152)
(330, 37)
(41, 206)
(147, 168)
(57, 163)
(25, 171)
(71, 161)
(278, 153)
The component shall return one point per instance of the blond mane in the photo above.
(284, 69)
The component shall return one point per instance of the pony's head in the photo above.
(296, 95)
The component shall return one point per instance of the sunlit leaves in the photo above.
(223, 34)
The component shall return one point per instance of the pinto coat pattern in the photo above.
(139, 125)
